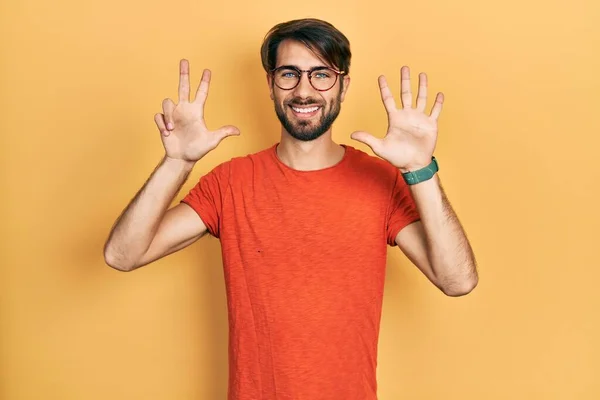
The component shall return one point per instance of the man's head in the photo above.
(306, 110)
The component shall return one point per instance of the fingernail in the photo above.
(170, 126)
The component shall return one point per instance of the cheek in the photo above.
(332, 101)
(280, 98)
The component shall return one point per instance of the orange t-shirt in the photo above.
(304, 255)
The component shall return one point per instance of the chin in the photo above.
(305, 137)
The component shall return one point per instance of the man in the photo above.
(303, 224)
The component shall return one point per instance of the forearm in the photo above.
(450, 255)
(135, 228)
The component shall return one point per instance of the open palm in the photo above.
(412, 135)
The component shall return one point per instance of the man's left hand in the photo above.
(412, 135)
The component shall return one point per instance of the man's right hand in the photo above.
(183, 131)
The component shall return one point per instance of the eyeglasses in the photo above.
(287, 77)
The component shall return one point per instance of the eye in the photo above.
(322, 74)
(288, 74)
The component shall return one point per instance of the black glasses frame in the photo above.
(309, 73)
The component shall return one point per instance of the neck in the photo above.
(317, 154)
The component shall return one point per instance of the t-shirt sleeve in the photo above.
(402, 209)
(207, 197)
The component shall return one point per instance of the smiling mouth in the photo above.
(305, 112)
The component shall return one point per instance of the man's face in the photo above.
(291, 106)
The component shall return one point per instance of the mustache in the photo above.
(303, 102)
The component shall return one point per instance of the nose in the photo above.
(304, 88)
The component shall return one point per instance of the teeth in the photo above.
(305, 110)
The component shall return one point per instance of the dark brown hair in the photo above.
(319, 36)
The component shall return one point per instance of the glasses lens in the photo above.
(286, 78)
(323, 79)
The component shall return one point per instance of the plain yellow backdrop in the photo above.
(80, 82)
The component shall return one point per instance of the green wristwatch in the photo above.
(423, 174)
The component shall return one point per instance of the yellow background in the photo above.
(519, 136)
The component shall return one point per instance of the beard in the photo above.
(307, 130)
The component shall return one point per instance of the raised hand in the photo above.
(183, 131)
(412, 135)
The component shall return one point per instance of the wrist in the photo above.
(417, 164)
(412, 167)
(179, 164)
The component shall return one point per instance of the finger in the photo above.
(168, 108)
(202, 92)
(437, 107)
(160, 123)
(184, 81)
(386, 95)
(406, 94)
(368, 139)
(422, 94)
(225, 131)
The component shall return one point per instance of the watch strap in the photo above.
(423, 174)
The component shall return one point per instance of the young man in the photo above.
(303, 224)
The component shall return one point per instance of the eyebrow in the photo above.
(296, 67)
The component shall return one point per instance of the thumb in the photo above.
(225, 131)
(367, 139)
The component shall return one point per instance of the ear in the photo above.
(345, 88)
(270, 83)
